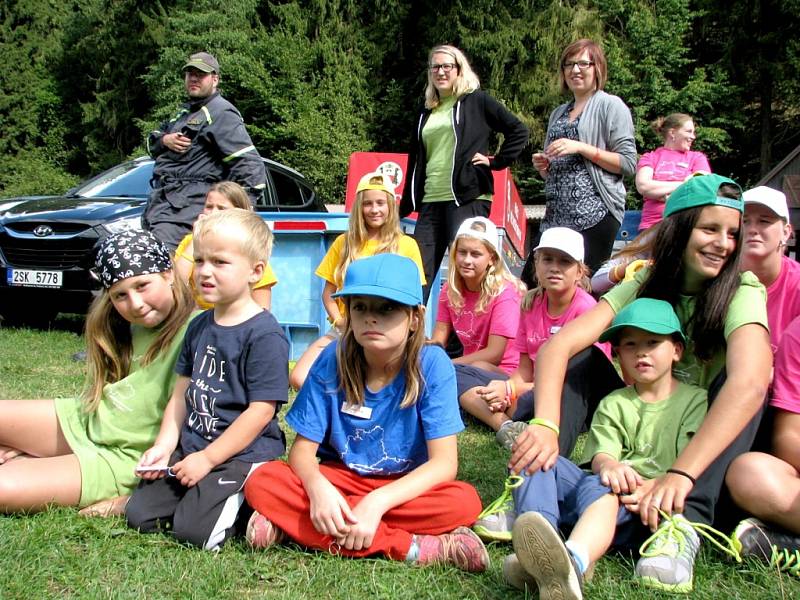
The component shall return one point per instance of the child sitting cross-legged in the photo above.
(379, 409)
(636, 434)
(220, 423)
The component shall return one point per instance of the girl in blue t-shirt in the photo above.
(379, 409)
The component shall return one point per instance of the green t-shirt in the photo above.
(440, 144)
(749, 305)
(646, 436)
(109, 441)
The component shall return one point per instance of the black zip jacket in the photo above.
(474, 117)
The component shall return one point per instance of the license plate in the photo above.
(29, 278)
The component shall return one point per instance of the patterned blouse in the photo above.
(572, 200)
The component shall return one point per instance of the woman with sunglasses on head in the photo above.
(449, 175)
(588, 149)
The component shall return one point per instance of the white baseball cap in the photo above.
(769, 197)
(480, 228)
(569, 241)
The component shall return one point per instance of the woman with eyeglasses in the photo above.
(449, 175)
(588, 149)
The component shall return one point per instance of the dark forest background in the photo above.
(84, 80)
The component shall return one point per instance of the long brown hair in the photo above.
(351, 364)
(706, 326)
(109, 343)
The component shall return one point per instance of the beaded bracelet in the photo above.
(545, 423)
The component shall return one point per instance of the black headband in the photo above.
(128, 254)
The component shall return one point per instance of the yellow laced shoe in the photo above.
(496, 521)
(667, 556)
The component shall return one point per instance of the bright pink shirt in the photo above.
(536, 326)
(501, 317)
(785, 382)
(668, 165)
(783, 300)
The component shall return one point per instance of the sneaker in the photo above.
(517, 577)
(780, 549)
(460, 548)
(495, 522)
(261, 533)
(542, 554)
(667, 556)
(509, 432)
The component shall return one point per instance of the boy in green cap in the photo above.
(636, 434)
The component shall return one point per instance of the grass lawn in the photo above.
(60, 555)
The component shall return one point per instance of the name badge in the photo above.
(554, 329)
(362, 412)
(685, 165)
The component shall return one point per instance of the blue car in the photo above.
(47, 242)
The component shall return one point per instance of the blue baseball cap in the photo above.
(389, 276)
(649, 314)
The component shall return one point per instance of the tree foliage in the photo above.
(319, 79)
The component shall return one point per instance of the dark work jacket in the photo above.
(474, 117)
(221, 150)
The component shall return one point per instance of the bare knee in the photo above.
(754, 478)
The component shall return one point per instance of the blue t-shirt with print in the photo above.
(382, 439)
(230, 367)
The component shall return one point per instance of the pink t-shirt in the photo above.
(783, 300)
(501, 317)
(785, 383)
(536, 326)
(668, 165)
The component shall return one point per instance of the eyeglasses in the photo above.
(582, 65)
(446, 66)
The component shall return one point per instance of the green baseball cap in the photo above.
(202, 61)
(649, 314)
(701, 190)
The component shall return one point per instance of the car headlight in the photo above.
(127, 224)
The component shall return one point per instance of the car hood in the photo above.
(60, 208)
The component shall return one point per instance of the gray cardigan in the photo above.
(606, 123)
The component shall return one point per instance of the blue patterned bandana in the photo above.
(129, 254)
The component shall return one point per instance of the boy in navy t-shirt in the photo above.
(220, 422)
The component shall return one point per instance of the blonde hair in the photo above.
(110, 346)
(351, 363)
(466, 81)
(358, 233)
(662, 125)
(493, 282)
(256, 238)
(234, 193)
(583, 282)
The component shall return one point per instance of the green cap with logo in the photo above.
(649, 314)
(202, 61)
(702, 190)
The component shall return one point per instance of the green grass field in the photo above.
(58, 554)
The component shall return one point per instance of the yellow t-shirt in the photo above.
(407, 246)
(267, 280)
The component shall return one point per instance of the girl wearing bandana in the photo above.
(79, 451)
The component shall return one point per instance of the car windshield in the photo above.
(128, 180)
